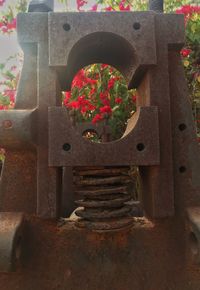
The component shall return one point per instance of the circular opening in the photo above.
(182, 169)
(100, 99)
(140, 147)
(66, 27)
(182, 127)
(66, 147)
(7, 124)
(136, 25)
(194, 245)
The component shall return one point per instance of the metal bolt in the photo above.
(156, 5)
(41, 6)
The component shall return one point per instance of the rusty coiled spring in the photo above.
(105, 192)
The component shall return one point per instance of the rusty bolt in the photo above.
(41, 6)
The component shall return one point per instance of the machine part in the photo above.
(141, 143)
(41, 6)
(156, 5)
(145, 47)
(11, 236)
(105, 193)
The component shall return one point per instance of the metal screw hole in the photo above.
(182, 169)
(182, 127)
(136, 25)
(66, 147)
(140, 147)
(66, 27)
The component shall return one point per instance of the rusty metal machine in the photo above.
(107, 249)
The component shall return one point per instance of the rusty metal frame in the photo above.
(53, 45)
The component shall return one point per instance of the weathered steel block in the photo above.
(160, 139)
(130, 46)
(138, 146)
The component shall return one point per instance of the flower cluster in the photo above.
(2, 2)
(185, 52)
(80, 4)
(8, 85)
(99, 94)
(120, 5)
(191, 56)
(8, 15)
(7, 25)
(188, 11)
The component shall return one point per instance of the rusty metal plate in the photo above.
(138, 146)
(129, 46)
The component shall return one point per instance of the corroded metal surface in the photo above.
(105, 193)
(152, 253)
(141, 143)
(11, 236)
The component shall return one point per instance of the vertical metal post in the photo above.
(156, 5)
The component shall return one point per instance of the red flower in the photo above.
(188, 10)
(122, 6)
(104, 65)
(106, 109)
(134, 98)
(68, 95)
(111, 83)
(67, 98)
(80, 3)
(90, 81)
(104, 98)
(74, 105)
(109, 8)
(185, 52)
(103, 95)
(79, 79)
(94, 7)
(12, 25)
(11, 94)
(2, 2)
(97, 118)
(7, 26)
(118, 100)
(2, 107)
(106, 102)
